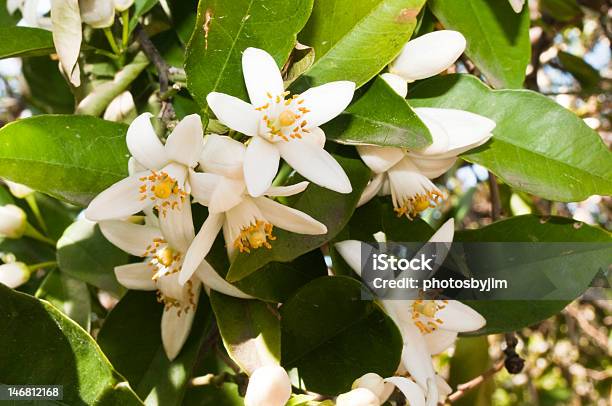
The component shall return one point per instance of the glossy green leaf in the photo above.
(72, 158)
(333, 337)
(85, 254)
(497, 37)
(356, 40)
(568, 273)
(50, 348)
(25, 41)
(131, 338)
(70, 296)
(7, 19)
(49, 91)
(537, 146)
(224, 29)
(584, 73)
(331, 208)
(141, 7)
(250, 330)
(561, 10)
(380, 117)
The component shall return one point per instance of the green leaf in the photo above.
(356, 40)
(131, 338)
(537, 146)
(7, 19)
(224, 29)
(584, 73)
(85, 254)
(561, 10)
(49, 348)
(471, 359)
(141, 7)
(568, 273)
(497, 37)
(331, 208)
(25, 41)
(250, 330)
(381, 117)
(49, 91)
(72, 158)
(70, 296)
(333, 336)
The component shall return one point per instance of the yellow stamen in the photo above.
(166, 256)
(413, 206)
(255, 236)
(286, 118)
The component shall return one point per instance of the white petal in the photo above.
(186, 142)
(465, 130)
(315, 164)
(428, 55)
(439, 340)
(439, 136)
(288, 218)
(236, 114)
(131, 238)
(413, 392)
(260, 165)
(289, 190)
(444, 389)
(371, 189)
(460, 318)
(445, 233)
(67, 36)
(432, 392)
(269, 385)
(261, 76)
(144, 144)
(175, 330)
(358, 397)
(14, 274)
(96, 13)
(380, 159)
(223, 156)
(135, 166)
(118, 201)
(316, 137)
(203, 185)
(517, 5)
(430, 166)
(200, 246)
(177, 226)
(211, 278)
(136, 276)
(227, 194)
(327, 101)
(122, 5)
(397, 83)
(350, 250)
(121, 106)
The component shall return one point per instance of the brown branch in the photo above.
(596, 336)
(495, 201)
(464, 388)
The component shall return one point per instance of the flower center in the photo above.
(254, 236)
(424, 314)
(166, 256)
(163, 259)
(282, 115)
(183, 306)
(162, 190)
(412, 206)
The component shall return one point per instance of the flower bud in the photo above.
(375, 384)
(396, 82)
(14, 274)
(122, 5)
(428, 55)
(97, 13)
(268, 386)
(120, 108)
(12, 221)
(358, 397)
(18, 190)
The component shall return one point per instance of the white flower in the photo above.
(164, 252)
(268, 386)
(97, 13)
(18, 190)
(13, 221)
(32, 11)
(428, 55)
(121, 108)
(517, 5)
(247, 221)
(358, 397)
(160, 177)
(122, 5)
(428, 327)
(14, 274)
(283, 127)
(67, 36)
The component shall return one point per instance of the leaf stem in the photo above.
(111, 40)
(40, 265)
(35, 234)
(125, 21)
(31, 200)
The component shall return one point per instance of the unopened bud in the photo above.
(358, 397)
(97, 13)
(376, 384)
(120, 108)
(13, 221)
(122, 5)
(18, 190)
(14, 274)
(268, 386)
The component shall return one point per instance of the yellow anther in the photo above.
(164, 188)
(255, 236)
(165, 256)
(286, 118)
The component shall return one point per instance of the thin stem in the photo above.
(464, 388)
(105, 53)
(495, 202)
(41, 265)
(125, 21)
(111, 40)
(31, 200)
(35, 234)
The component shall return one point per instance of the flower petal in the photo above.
(67, 37)
(211, 278)
(445, 233)
(428, 55)
(227, 194)
(186, 142)
(413, 392)
(460, 318)
(200, 246)
(430, 166)
(315, 164)
(175, 328)
(290, 190)
(327, 101)
(371, 189)
(517, 5)
(177, 226)
(203, 186)
(260, 165)
(380, 159)
(439, 136)
(440, 340)
(136, 276)
(144, 144)
(131, 238)
(316, 136)
(261, 76)
(118, 201)
(223, 156)
(234, 113)
(288, 218)
(397, 83)
(350, 250)
(96, 13)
